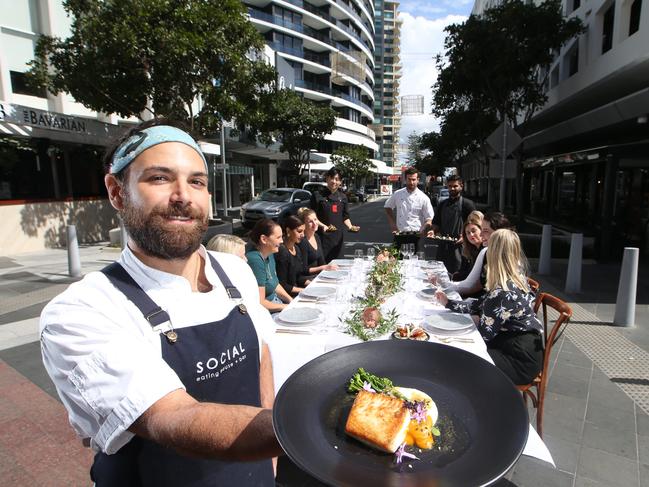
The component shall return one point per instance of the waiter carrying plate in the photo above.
(414, 211)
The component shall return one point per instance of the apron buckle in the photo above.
(172, 336)
(242, 309)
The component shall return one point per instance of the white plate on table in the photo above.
(334, 275)
(300, 316)
(428, 293)
(448, 321)
(343, 262)
(318, 292)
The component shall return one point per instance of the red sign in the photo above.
(394, 177)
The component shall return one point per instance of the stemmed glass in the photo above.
(371, 253)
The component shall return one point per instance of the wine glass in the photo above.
(405, 248)
(411, 249)
(371, 253)
(421, 256)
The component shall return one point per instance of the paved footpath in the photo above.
(596, 420)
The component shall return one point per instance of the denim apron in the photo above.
(217, 362)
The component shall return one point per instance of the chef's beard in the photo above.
(156, 237)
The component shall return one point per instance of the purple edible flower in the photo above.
(418, 410)
(368, 387)
(401, 453)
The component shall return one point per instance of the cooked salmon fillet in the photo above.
(378, 420)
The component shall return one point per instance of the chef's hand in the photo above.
(354, 228)
(430, 234)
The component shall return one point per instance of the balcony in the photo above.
(309, 85)
(278, 46)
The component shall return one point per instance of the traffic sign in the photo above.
(512, 141)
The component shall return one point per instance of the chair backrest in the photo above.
(545, 301)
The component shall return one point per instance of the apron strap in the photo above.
(232, 291)
(153, 313)
(123, 281)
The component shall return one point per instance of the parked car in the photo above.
(438, 194)
(275, 204)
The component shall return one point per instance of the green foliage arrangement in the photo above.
(384, 280)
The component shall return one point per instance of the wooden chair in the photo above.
(535, 390)
(534, 285)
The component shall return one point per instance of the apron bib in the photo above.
(216, 362)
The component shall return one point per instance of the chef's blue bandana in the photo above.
(147, 138)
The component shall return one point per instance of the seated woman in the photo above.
(291, 270)
(230, 244)
(266, 237)
(474, 283)
(505, 314)
(471, 246)
(311, 246)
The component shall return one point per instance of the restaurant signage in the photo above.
(41, 118)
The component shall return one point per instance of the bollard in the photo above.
(626, 289)
(573, 276)
(545, 255)
(124, 235)
(74, 262)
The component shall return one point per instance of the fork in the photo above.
(453, 339)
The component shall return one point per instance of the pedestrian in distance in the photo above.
(450, 216)
(331, 207)
(414, 212)
(160, 359)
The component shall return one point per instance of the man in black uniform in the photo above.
(331, 208)
(449, 219)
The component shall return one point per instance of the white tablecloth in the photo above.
(292, 350)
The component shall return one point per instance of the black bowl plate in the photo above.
(482, 418)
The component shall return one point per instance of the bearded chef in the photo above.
(159, 358)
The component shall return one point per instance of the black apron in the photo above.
(217, 362)
(451, 224)
(330, 212)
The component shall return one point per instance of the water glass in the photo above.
(421, 256)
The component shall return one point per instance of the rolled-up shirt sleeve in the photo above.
(105, 375)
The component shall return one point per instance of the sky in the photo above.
(422, 37)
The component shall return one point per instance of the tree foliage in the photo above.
(299, 124)
(497, 64)
(126, 57)
(414, 149)
(353, 161)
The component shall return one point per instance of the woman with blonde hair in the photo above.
(311, 245)
(505, 314)
(229, 244)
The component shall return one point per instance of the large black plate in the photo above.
(483, 420)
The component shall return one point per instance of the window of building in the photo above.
(20, 86)
(607, 28)
(571, 61)
(554, 77)
(575, 5)
(634, 17)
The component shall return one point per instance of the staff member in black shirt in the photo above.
(331, 208)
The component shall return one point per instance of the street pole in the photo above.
(501, 203)
(225, 180)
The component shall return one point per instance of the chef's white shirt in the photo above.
(413, 209)
(105, 359)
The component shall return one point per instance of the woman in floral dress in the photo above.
(505, 313)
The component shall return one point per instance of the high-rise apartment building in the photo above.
(387, 73)
(329, 44)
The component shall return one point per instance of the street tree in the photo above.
(353, 161)
(299, 124)
(498, 64)
(414, 149)
(196, 61)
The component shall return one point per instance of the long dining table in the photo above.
(293, 346)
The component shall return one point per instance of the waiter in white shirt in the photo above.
(159, 358)
(414, 210)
